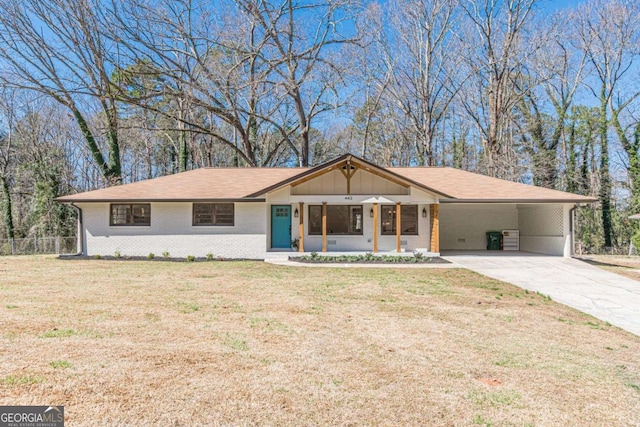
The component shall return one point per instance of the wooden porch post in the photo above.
(435, 228)
(301, 228)
(398, 226)
(375, 228)
(324, 226)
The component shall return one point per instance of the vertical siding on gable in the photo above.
(362, 182)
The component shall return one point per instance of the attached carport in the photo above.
(470, 204)
(544, 228)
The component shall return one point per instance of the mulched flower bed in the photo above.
(368, 259)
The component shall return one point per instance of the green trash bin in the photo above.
(493, 240)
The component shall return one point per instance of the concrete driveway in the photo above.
(607, 296)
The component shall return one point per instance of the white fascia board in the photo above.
(345, 199)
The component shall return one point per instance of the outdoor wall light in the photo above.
(295, 213)
(424, 212)
(371, 213)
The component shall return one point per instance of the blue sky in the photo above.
(553, 5)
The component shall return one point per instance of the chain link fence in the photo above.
(39, 245)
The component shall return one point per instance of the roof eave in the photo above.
(531, 201)
(156, 200)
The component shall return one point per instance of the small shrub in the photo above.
(117, 255)
(209, 256)
(151, 255)
(295, 243)
(418, 255)
(96, 256)
(190, 258)
(166, 254)
(314, 255)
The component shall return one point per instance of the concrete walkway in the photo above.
(607, 296)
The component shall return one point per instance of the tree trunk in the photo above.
(634, 169)
(571, 159)
(182, 151)
(605, 179)
(111, 172)
(631, 148)
(304, 132)
(7, 208)
(115, 168)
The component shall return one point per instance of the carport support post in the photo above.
(375, 228)
(398, 226)
(435, 228)
(324, 226)
(301, 229)
(567, 213)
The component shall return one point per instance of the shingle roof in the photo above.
(197, 184)
(472, 187)
(253, 183)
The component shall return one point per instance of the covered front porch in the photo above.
(375, 225)
(351, 205)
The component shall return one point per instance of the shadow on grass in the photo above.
(606, 264)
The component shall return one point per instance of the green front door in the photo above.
(280, 226)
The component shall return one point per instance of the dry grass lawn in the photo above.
(246, 343)
(628, 266)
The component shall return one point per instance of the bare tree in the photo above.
(557, 70)
(420, 55)
(211, 79)
(57, 48)
(303, 52)
(495, 52)
(607, 31)
(7, 118)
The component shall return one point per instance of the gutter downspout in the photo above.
(80, 251)
(572, 228)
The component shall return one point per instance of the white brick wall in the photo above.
(172, 231)
(544, 229)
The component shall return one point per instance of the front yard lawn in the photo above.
(249, 343)
(628, 266)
